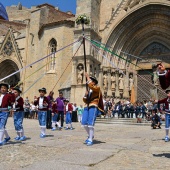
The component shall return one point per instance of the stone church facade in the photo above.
(136, 30)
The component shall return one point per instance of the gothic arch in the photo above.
(8, 67)
(149, 23)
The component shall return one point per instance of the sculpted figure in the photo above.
(105, 81)
(131, 81)
(113, 82)
(80, 74)
(155, 78)
(121, 82)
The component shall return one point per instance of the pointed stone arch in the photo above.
(10, 46)
(6, 68)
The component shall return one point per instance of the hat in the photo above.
(167, 90)
(43, 89)
(17, 89)
(93, 79)
(4, 84)
(66, 100)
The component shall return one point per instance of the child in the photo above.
(6, 102)
(18, 114)
(42, 103)
(54, 117)
(68, 109)
(166, 101)
(155, 120)
(139, 118)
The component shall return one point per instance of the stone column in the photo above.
(109, 93)
(117, 94)
(74, 73)
(126, 86)
(100, 80)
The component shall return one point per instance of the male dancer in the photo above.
(94, 101)
(166, 101)
(18, 114)
(164, 76)
(6, 102)
(42, 103)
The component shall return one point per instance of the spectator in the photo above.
(49, 115)
(74, 113)
(27, 108)
(33, 110)
(80, 112)
(155, 120)
(139, 118)
(60, 108)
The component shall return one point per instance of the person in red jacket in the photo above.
(6, 102)
(18, 114)
(55, 117)
(42, 103)
(68, 111)
(166, 101)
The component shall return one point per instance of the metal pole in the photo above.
(84, 47)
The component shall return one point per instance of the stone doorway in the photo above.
(7, 67)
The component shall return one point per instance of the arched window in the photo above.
(52, 48)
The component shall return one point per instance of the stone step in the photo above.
(124, 121)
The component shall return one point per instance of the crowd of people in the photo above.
(139, 110)
(31, 110)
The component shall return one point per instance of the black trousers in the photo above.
(48, 124)
(61, 114)
(74, 116)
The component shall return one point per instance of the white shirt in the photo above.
(66, 107)
(41, 99)
(1, 98)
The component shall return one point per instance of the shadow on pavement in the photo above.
(166, 155)
(97, 142)
(49, 136)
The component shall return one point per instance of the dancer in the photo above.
(42, 103)
(166, 101)
(55, 117)
(18, 114)
(94, 101)
(6, 102)
(68, 111)
(164, 76)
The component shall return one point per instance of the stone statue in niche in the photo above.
(80, 74)
(155, 78)
(105, 81)
(113, 81)
(131, 81)
(121, 82)
(121, 85)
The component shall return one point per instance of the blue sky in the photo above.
(64, 5)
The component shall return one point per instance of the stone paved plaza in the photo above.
(117, 147)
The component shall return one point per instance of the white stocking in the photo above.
(91, 133)
(58, 124)
(1, 135)
(6, 133)
(87, 129)
(53, 124)
(167, 131)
